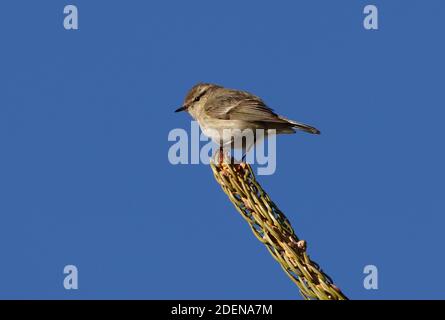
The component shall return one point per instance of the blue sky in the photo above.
(84, 173)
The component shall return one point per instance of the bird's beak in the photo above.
(183, 108)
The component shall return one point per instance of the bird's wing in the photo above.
(239, 105)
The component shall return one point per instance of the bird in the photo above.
(219, 110)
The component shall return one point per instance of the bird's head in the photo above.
(196, 97)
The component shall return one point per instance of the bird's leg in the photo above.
(221, 155)
(246, 148)
(221, 152)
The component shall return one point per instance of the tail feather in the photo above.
(302, 126)
(306, 128)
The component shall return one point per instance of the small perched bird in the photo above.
(217, 109)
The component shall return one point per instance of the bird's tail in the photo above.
(302, 126)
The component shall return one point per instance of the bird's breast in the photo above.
(224, 131)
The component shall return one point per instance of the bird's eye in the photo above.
(197, 98)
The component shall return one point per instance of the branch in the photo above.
(274, 230)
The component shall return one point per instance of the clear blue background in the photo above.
(84, 173)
